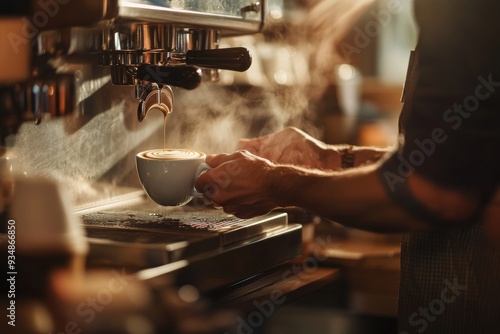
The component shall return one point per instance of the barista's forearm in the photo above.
(353, 198)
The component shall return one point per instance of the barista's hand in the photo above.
(295, 147)
(240, 182)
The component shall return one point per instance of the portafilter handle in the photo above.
(233, 59)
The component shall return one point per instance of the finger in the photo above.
(212, 185)
(206, 181)
(209, 188)
(201, 181)
(217, 160)
(214, 160)
(253, 145)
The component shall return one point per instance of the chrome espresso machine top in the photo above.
(145, 44)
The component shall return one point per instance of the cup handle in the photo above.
(201, 168)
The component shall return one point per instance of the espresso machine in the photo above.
(79, 83)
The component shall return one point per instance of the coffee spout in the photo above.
(153, 96)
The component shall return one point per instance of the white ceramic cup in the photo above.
(168, 175)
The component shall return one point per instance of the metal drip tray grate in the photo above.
(178, 220)
(147, 234)
(187, 221)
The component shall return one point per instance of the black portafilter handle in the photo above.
(187, 77)
(233, 59)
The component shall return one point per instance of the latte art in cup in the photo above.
(171, 154)
(168, 175)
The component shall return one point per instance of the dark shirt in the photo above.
(450, 277)
(451, 115)
(457, 89)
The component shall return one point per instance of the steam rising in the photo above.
(77, 159)
(328, 23)
(213, 118)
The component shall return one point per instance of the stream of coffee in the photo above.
(165, 131)
(165, 112)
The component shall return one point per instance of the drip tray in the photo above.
(146, 235)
